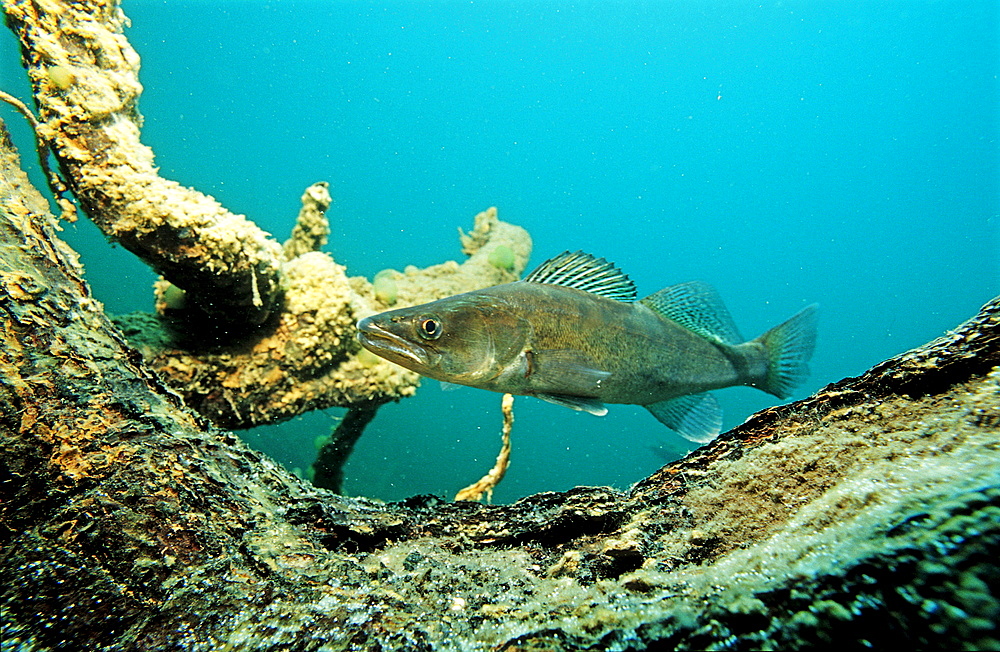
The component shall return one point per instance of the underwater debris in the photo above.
(229, 267)
(252, 332)
(57, 184)
(487, 483)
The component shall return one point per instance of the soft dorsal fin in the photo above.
(697, 307)
(585, 272)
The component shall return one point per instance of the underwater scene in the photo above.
(785, 153)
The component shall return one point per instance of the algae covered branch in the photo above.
(248, 331)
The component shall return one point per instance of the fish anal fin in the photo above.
(695, 417)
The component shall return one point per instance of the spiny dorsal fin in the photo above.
(585, 272)
(697, 307)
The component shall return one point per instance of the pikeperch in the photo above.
(572, 333)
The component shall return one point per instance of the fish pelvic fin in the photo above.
(695, 417)
(788, 347)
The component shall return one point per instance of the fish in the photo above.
(572, 333)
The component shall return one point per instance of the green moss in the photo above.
(385, 286)
(174, 297)
(502, 257)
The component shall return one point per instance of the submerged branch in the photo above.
(329, 466)
(248, 332)
(306, 357)
(84, 75)
(56, 183)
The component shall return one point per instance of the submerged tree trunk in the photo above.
(865, 515)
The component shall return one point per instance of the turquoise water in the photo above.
(785, 152)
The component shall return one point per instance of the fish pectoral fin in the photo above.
(573, 376)
(570, 371)
(695, 417)
(581, 403)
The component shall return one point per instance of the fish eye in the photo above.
(429, 328)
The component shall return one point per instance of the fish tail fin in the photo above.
(788, 347)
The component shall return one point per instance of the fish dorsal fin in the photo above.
(697, 307)
(585, 272)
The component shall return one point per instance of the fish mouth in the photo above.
(388, 345)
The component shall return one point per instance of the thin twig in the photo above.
(487, 483)
(56, 184)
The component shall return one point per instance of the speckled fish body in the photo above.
(571, 333)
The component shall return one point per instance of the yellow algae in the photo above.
(173, 297)
(61, 77)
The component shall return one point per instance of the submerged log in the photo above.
(865, 515)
